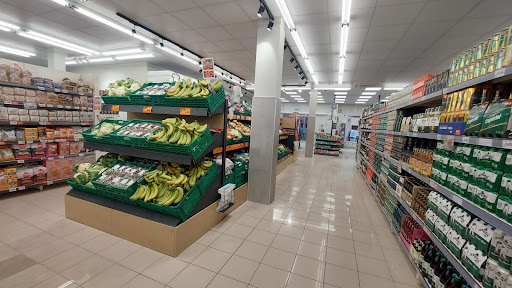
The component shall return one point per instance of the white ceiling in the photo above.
(390, 41)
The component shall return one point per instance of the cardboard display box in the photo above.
(151, 234)
(288, 122)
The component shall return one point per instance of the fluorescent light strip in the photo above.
(192, 61)
(72, 62)
(127, 57)
(61, 2)
(365, 97)
(103, 59)
(78, 47)
(285, 13)
(333, 88)
(103, 20)
(9, 25)
(314, 78)
(300, 46)
(343, 40)
(309, 66)
(384, 100)
(368, 93)
(291, 93)
(345, 11)
(5, 29)
(120, 52)
(16, 51)
(373, 89)
(393, 89)
(340, 93)
(143, 38)
(53, 43)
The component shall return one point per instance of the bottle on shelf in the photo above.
(429, 255)
(445, 276)
(454, 282)
(438, 271)
(433, 264)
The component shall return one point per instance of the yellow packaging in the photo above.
(467, 98)
(473, 54)
(508, 52)
(487, 47)
(479, 51)
(10, 172)
(467, 58)
(491, 62)
(12, 182)
(495, 44)
(476, 73)
(471, 71)
(504, 34)
(465, 75)
(483, 67)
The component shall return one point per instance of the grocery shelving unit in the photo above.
(329, 145)
(498, 76)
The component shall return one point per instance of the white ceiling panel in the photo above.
(174, 5)
(492, 25)
(313, 22)
(360, 17)
(366, 4)
(227, 13)
(215, 34)
(397, 2)
(315, 37)
(232, 45)
(209, 2)
(33, 6)
(243, 30)
(195, 18)
(445, 10)
(68, 17)
(303, 7)
(167, 23)
(492, 8)
(137, 10)
(105, 33)
(352, 48)
(378, 33)
(319, 49)
(187, 37)
(354, 35)
(396, 14)
(250, 7)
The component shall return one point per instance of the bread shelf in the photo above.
(22, 161)
(21, 188)
(61, 91)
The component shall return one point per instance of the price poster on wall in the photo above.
(207, 65)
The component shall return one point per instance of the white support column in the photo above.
(56, 59)
(310, 135)
(266, 110)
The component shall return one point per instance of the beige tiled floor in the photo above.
(324, 229)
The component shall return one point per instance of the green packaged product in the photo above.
(443, 163)
(474, 121)
(498, 157)
(490, 273)
(475, 157)
(461, 186)
(478, 176)
(463, 152)
(503, 207)
(490, 201)
(501, 277)
(471, 192)
(496, 121)
(459, 220)
(465, 170)
(438, 176)
(430, 219)
(492, 179)
(473, 259)
(441, 229)
(450, 181)
(453, 165)
(455, 242)
(500, 58)
(505, 255)
(444, 209)
(433, 199)
(508, 163)
(506, 185)
(496, 243)
(480, 234)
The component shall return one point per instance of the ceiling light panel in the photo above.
(393, 89)
(373, 89)
(285, 13)
(340, 93)
(365, 97)
(124, 51)
(16, 51)
(68, 46)
(139, 56)
(368, 93)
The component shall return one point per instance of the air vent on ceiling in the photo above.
(367, 84)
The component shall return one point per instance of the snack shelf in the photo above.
(283, 158)
(21, 188)
(231, 147)
(42, 141)
(369, 165)
(19, 85)
(48, 106)
(489, 142)
(371, 148)
(188, 111)
(472, 282)
(22, 161)
(155, 155)
(28, 123)
(497, 76)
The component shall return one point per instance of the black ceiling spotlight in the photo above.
(261, 11)
(291, 60)
(229, 86)
(296, 67)
(301, 72)
(303, 77)
(285, 46)
(306, 83)
(270, 25)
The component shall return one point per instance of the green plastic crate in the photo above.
(208, 177)
(116, 100)
(101, 139)
(83, 188)
(182, 210)
(245, 138)
(229, 178)
(130, 141)
(212, 101)
(241, 179)
(119, 193)
(239, 167)
(149, 100)
(194, 149)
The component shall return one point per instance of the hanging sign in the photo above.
(207, 66)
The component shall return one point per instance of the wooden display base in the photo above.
(283, 165)
(151, 234)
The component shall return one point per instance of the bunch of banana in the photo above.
(162, 194)
(199, 89)
(217, 84)
(178, 131)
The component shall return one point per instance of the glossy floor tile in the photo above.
(323, 230)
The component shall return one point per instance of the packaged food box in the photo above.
(22, 112)
(25, 176)
(52, 119)
(73, 148)
(21, 151)
(76, 100)
(7, 91)
(19, 91)
(68, 119)
(20, 134)
(14, 118)
(83, 101)
(75, 114)
(3, 181)
(6, 154)
(67, 114)
(67, 167)
(495, 245)
(3, 114)
(480, 234)
(24, 118)
(75, 119)
(53, 169)
(30, 93)
(12, 182)
(52, 98)
(12, 111)
(10, 172)
(52, 150)
(60, 113)
(8, 98)
(18, 98)
(40, 173)
(30, 99)
(63, 148)
(60, 119)
(42, 97)
(38, 150)
(43, 119)
(30, 131)
(473, 259)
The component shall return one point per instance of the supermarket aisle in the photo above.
(323, 230)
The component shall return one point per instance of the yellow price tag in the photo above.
(115, 107)
(184, 111)
(147, 109)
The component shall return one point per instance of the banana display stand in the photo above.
(161, 232)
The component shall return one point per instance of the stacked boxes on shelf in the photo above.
(419, 86)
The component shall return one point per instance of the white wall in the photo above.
(323, 111)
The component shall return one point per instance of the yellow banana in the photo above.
(180, 195)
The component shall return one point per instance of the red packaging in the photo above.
(73, 148)
(66, 166)
(40, 173)
(52, 150)
(63, 148)
(54, 169)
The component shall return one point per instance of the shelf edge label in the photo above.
(499, 73)
(147, 109)
(115, 107)
(465, 139)
(507, 144)
(184, 111)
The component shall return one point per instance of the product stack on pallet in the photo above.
(327, 145)
(41, 124)
(162, 178)
(443, 176)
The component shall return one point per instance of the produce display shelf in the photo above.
(21, 188)
(49, 106)
(239, 117)
(505, 143)
(19, 85)
(21, 161)
(155, 155)
(327, 154)
(24, 123)
(41, 141)
(472, 282)
(464, 203)
(231, 147)
(188, 111)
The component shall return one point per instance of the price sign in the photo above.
(81, 93)
(485, 142)
(61, 157)
(115, 107)
(433, 184)
(7, 102)
(21, 188)
(64, 91)
(80, 154)
(21, 142)
(457, 199)
(42, 123)
(57, 90)
(13, 122)
(439, 137)
(147, 109)
(51, 158)
(12, 189)
(414, 134)
(507, 144)
(184, 111)
(21, 161)
(42, 105)
(30, 142)
(60, 106)
(68, 107)
(445, 90)
(465, 139)
(40, 88)
(49, 182)
(399, 191)
(499, 73)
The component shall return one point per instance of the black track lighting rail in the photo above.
(269, 13)
(169, 40)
